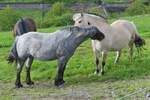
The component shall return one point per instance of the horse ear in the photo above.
(77, 15)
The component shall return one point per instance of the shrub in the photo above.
(95, 10)
(58, 15)
(65, 19)
(57, 9)
(137, 8)
(148, 9)
(8, 17)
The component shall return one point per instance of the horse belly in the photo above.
(120, 43)
(119, 47)
(45, 54)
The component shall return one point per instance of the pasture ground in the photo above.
(81, 84)
(97, 90)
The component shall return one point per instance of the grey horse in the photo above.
(59, 45)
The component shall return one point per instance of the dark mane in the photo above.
(73, 28)
(98, 15)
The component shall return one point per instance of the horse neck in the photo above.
(80, 39)
(79, 35)
(102, 25)
(73, 42)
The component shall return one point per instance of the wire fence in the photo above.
(111, 7)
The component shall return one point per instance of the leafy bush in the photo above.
(58, 15)
(57, 9)
(137, 8)
(95, 10)
(8, 17)
(147, 9)
(65, 19)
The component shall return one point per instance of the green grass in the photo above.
(123, 78)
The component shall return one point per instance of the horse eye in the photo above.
(80, 21)
(89, 23)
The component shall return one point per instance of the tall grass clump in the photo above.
(96, 11)
(137, 8)
(58, 15)
(8, 17)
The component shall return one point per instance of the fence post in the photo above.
(43, 11)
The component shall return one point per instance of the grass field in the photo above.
(81, 84)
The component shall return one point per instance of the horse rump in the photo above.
(13, 53)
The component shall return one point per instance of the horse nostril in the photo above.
(89, 23)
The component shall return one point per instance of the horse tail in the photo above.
(21, 27)
(138, 40)
(13, 55)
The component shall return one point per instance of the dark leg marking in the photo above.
(61, 68)
(19, 69)
(28, 67)
(103, 64)
(97, 65)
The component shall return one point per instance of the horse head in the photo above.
(86, 19)
(79, 19)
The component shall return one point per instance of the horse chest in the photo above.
(65, 48)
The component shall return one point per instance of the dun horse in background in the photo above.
(118, 35)
(59, 45)
(24, 25)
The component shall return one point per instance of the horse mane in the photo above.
(96, 16)
(23, 25)
(72, 29)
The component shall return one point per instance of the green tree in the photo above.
(137, 8)
(8, 17)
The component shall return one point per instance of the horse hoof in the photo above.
(19, 85)
(30, 83)
(97, 73)
(115, 62)
(102, 73)
(59, 83)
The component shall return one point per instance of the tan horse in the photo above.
(120, 34)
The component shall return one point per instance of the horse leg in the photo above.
(61, 67)
(97, 62)
(130, 51)
(117, 56)
(19, 69)
(28, 67)
(104, 57)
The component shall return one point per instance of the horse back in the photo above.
(123, 25)
(122, 33)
